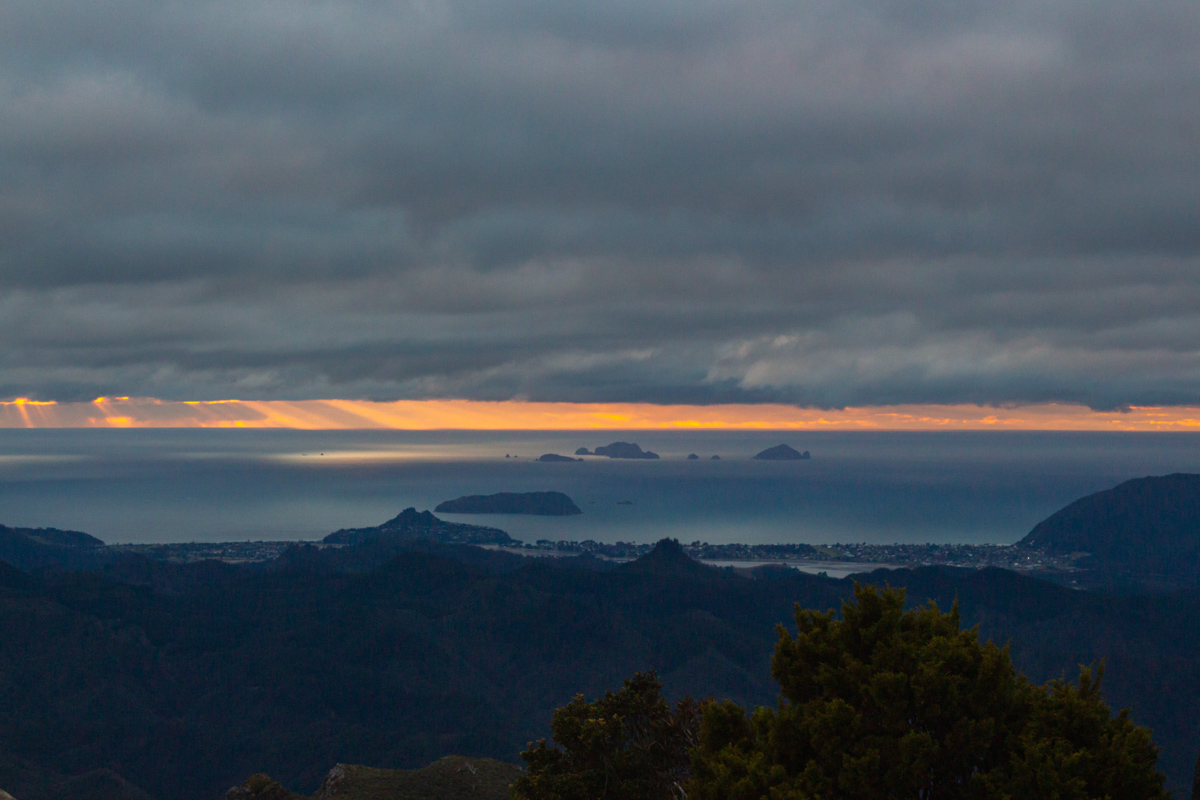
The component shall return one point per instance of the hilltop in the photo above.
(413, 524)
(49, 548)
(1144, 532)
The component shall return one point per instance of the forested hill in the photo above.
(412, 524)
(1144, 532)
(50, 548)
(294, 670)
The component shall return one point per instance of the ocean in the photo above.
(148, 486)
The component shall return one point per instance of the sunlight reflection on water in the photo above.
(146, 485)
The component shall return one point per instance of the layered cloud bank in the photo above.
(127, 412)
(817, 203)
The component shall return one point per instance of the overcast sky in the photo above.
(822, 203)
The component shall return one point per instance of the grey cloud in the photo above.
(820, 203)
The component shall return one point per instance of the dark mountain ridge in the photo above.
(292, 669)
(396, 649)
(1144, 532)
(57, 538)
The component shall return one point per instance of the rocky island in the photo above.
(782, 453)
(546, 504)
(618, 450)
(555, 458)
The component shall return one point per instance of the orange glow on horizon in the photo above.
(22, 405)
(126, 412)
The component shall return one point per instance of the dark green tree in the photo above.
(628, 745)
(886, 703)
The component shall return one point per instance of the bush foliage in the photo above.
(882, 703)
(628, 745)
(888, 703)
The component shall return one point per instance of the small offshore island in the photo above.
(545, 504)
(556, 458)
(782, 452)
(618, 450)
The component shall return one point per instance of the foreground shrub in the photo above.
(886, 703)
(628, 745)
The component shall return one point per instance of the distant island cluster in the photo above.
(631, 450)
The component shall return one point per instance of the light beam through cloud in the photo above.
(132, 412)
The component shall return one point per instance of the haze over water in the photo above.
(144, 486)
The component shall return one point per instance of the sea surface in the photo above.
(145, 486)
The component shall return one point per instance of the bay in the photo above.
(163, 485)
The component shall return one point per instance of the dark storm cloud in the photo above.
(822, 203)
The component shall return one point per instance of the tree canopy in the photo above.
(627, 745)
(888, 703)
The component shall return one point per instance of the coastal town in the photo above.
(968, 556)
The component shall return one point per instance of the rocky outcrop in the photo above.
(782, 453)
(623, 450)
(555, 457)
(450, 778)
(261, 787)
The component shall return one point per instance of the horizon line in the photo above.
(448, 414)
